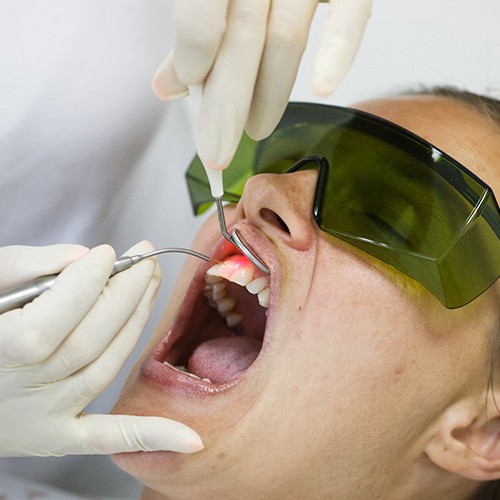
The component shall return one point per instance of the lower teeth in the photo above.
(183, 369)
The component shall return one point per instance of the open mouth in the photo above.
(219, 330)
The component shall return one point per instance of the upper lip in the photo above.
(257, 242)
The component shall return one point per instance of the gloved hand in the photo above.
(247, 54)
(60, 351)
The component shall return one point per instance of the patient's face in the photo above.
(336, 389)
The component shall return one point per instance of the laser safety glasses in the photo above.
(382, 189)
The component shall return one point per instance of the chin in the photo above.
(208, 365)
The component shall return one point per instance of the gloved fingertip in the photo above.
(258, 131)
(181, 446)
(217, 146)
(331, 65)
(167, 95)
(105, 249)
(166, 84)
(217, 164)
(67, 252)
(211, 155)
(321, 89)
(171, 435)
(191, 445)
(76, 251)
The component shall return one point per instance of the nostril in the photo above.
(274, 219)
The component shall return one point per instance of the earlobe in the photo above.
(466, 440)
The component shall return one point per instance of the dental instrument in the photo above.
(19, 296)
(217, 187)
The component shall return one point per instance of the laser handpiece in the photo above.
(21, 295)
(217, 188)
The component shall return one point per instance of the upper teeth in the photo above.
(243, 274)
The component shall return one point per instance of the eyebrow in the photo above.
(416, 173)
(403, 167)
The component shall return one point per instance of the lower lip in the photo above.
(170, 380)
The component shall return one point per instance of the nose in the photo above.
(281, 206)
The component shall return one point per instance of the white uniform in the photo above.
(77, 114)
(87, 153)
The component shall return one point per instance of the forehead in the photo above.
(464, 133)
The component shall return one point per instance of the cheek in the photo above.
(353, 336)
(362, 355)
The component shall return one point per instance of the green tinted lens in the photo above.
(275, 154)
(242, 168)
(387, 192)
(402, 208)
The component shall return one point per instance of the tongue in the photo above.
(222, 360)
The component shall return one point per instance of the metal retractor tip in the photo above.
(238, 240)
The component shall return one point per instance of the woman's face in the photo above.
(333, 386)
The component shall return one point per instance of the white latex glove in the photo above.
(247, 54)
(64, 348)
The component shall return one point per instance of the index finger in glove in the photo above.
(21, 264)
(287, 34)
(166, 84)
(107, 434)
(340, 43)
(199, 29)
(31, 334)
(229, 87)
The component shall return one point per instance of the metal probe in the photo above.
(216, 184)
(236, 239)
(21, 295)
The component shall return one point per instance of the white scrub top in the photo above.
(78, 119)
(89, 155)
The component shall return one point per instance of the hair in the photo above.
(490, 108)
(487, 106)
(491, 491)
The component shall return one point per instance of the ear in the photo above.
(466, 440)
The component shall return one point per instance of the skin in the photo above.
(367, 387)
